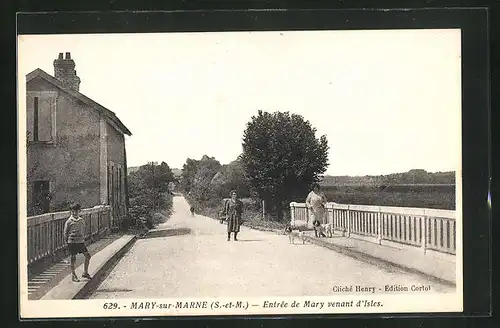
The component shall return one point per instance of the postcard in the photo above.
(240, 173)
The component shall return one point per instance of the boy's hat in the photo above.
(75, 207)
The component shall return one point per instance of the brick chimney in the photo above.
(64, 70)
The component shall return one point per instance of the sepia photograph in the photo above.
(240, 173)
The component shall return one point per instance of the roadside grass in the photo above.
(252, 215)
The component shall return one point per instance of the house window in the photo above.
(41, 197)
(41, 116)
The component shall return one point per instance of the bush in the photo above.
(149, 194)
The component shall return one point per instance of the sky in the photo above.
(388, 101)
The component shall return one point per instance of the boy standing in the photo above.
(74, 235)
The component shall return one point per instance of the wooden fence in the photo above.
(421, 227)
(45, 232)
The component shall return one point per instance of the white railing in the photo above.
(421, 227)
(45, 232)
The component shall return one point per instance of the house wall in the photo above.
(116, 171)
(70, 161)
(116, 143)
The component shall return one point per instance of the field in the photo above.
(427, 196)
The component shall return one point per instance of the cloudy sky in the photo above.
(388, 101)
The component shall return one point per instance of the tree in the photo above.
(165, 176)
(282, 158)
(188, 172)
(207, 168)
(231, 177)
(148, 187)
(153, 175)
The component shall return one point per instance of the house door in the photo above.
(114, 191)
(41, 197)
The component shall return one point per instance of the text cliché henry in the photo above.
(382, 289)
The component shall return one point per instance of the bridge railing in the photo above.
(420, 227)
(45, 232)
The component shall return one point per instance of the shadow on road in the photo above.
(167, 233)
(249, 240)
(114, 290)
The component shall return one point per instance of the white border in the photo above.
(404, 303)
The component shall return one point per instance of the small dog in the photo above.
(222, 217)
(321, 228)
(292, 233)
(328, 229)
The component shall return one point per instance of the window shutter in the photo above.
(45, 119)
(29, 116)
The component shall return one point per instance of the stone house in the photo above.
(75, 146)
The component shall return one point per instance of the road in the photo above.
(202, 263)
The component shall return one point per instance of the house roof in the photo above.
(110, 116)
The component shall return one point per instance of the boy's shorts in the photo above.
(77, 248)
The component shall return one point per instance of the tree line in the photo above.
(412, 177)
(280, 161)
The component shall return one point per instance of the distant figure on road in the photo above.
(192, 210)
(233, 210)
(316, 202)
(74, 235)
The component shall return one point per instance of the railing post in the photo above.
(341, 222)
(99, 223)
(292, 213)
(332, 206)
(344, 228)
(90, 225)
(52, 237)
(102, 226)
(109, 220)
(423, 226)
(325, 215)
(348, 222)
(379, 226)
(307, 215)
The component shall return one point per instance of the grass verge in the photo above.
(252, 217)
